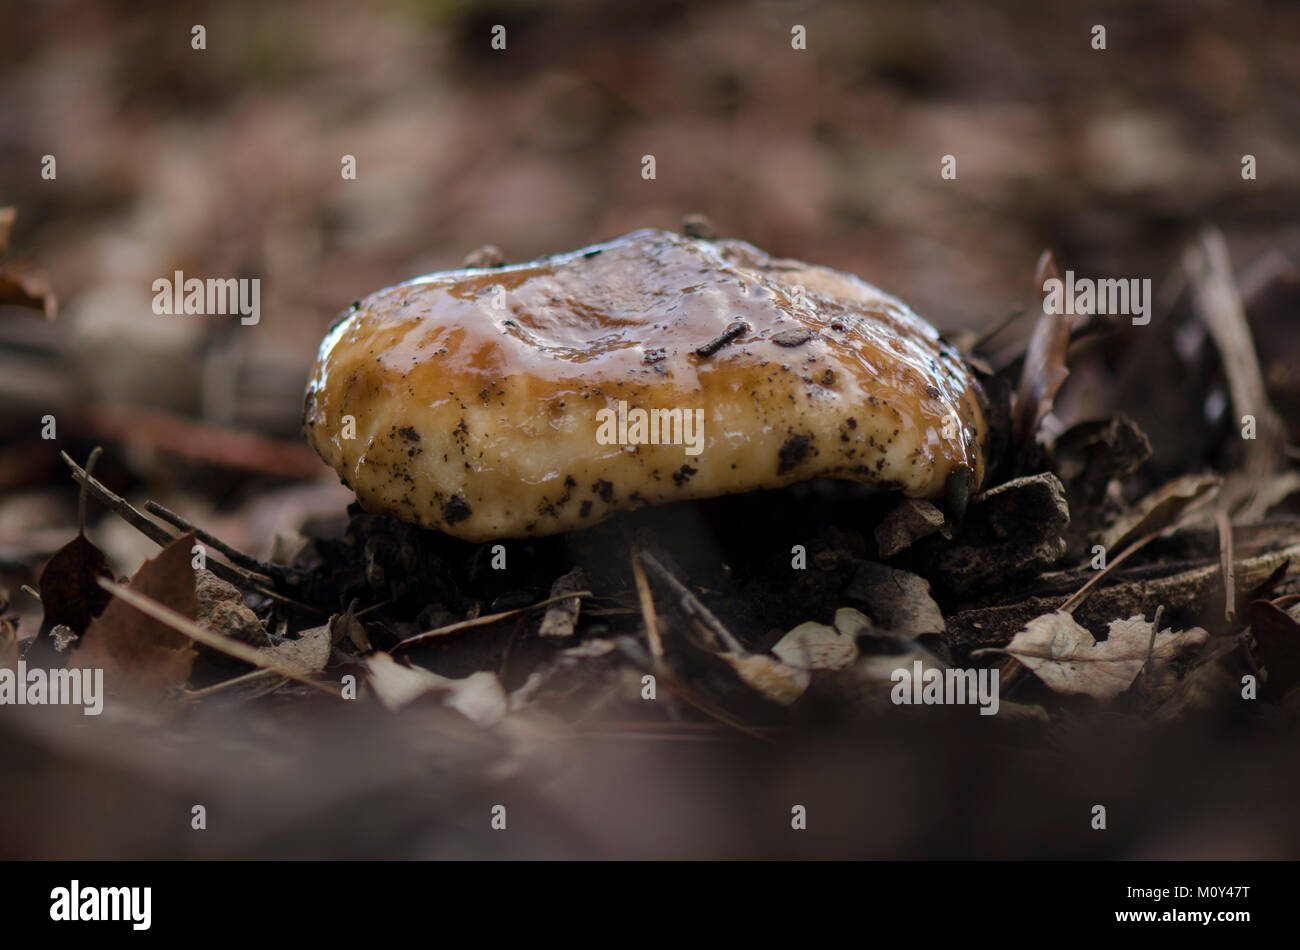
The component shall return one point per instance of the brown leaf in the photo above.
(1045, 363)
(70, 595)
(27, 291)
(142, 657)
(8, 641)
(1278, 635)
(7, 216)
(346, 626)
(1159, 509)
(18, 289)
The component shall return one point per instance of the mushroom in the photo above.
(537, 398)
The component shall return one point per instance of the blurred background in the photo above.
(225, 162)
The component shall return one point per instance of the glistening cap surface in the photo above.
(475, 396)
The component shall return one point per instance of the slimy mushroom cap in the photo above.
(471, 401)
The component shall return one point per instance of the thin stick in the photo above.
(997, 328)
(647, 606)
(95, 453)
(1225, 562)
(484, 620)
(162, 537)
(692, 604)
(249, 677)
(228, 645)
(1133, 548)
(235, 555)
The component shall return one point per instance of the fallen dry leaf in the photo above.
(8, 643)
(1045, 367)
(143, 658)
(479, 697)
(308, 654)
(1278, 635)
(19, 289)
(818, 646)
(1161, 508)
(777, 681)
(1064, 655)
(346, 626)
(70, 595)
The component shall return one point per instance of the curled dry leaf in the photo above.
(8, 643)
(1045, 363)
(817, 646)
(346, 626)
(18, 289)
(1161, 508)
(775, 680)
(70, 593)
(1277, 634)
(1064, 655)
(143, 658)
(479, 697)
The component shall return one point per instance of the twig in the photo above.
(228, 645)
(250, 677)
(997, 328)
(235, 555)
(162, 537)
(1225, 562)
(95, 453)
(691, 604)
(1218, 305)
(647, 606)
(1115, 562)
(484, 620)
(154, 532)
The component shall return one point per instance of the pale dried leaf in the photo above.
(308, 654)
(817, 646)
(1064, 655)
(479, 697)
(1160, 508)
(774, 679)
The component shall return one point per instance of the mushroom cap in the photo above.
(476, 393)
